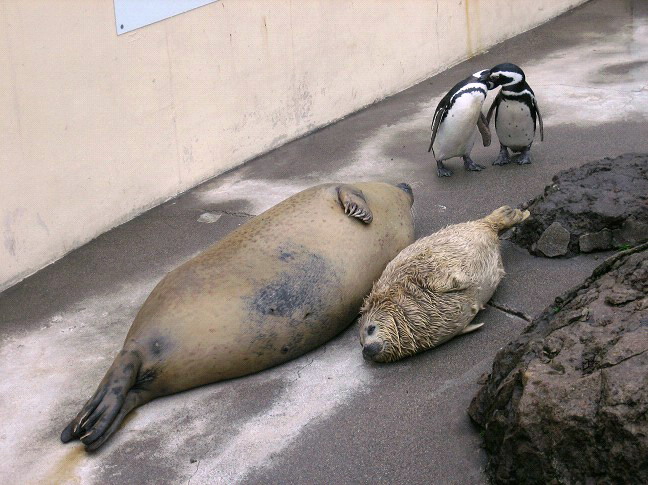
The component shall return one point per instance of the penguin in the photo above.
(516, 112)
(453, 124)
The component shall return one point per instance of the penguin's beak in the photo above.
(485, 77)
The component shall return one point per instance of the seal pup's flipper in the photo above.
(115, 397)
(354, 203)
(505, 217)
(471, 328)
(446, 282)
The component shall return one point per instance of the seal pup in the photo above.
(280, 285)
(516, 111)
(434, 288)
(454, 121)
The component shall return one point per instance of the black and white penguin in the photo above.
(455, 119)
(516, 111)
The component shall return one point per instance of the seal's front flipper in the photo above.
(354, 203)
(472, 327)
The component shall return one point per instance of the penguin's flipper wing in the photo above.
(494, 106)
(436, 121)
(439, 113)
(482, 125)
(535, 105)
(354, 203)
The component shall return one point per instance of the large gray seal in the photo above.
(280, 285)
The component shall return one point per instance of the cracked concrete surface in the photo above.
(328, 417)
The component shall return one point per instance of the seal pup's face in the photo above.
(371, 338)
(385, 333)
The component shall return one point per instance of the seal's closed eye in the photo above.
(354, 203)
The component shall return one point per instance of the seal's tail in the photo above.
(505, 218)
(112, 401)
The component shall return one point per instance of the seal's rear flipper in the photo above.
(472, 327)
(103, 430)
(354, 203)
(112, 401)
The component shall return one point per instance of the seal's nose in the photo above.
(371, 350)
(406, 187)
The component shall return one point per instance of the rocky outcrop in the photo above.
(601, 205)
(567, 402)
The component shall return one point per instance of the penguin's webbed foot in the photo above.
(443, 171)
(503, 157)
(523, 158)
(472, 166)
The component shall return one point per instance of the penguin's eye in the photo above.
(371, 329)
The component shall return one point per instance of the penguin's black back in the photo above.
(446, 103)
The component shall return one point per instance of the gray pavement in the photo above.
(328, 417)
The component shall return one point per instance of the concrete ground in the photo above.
(328, 417)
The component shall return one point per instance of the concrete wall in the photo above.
(96, 128)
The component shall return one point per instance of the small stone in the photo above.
(209, 217)
(621, 297)
(554, 241)
(595, 241)
(631, 232)
(483, 379)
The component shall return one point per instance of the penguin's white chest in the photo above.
(456, 134)
(514, 124)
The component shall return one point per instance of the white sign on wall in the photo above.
(133, 14)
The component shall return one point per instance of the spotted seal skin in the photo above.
(434, 288)
(280, 285)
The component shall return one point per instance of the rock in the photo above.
(631, 232)
(595, 241)
(554, 241)
(607, 194)
(567, 402)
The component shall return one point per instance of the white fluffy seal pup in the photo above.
(434, 288)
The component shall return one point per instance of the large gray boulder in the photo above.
(601, 205)
(567, 402)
